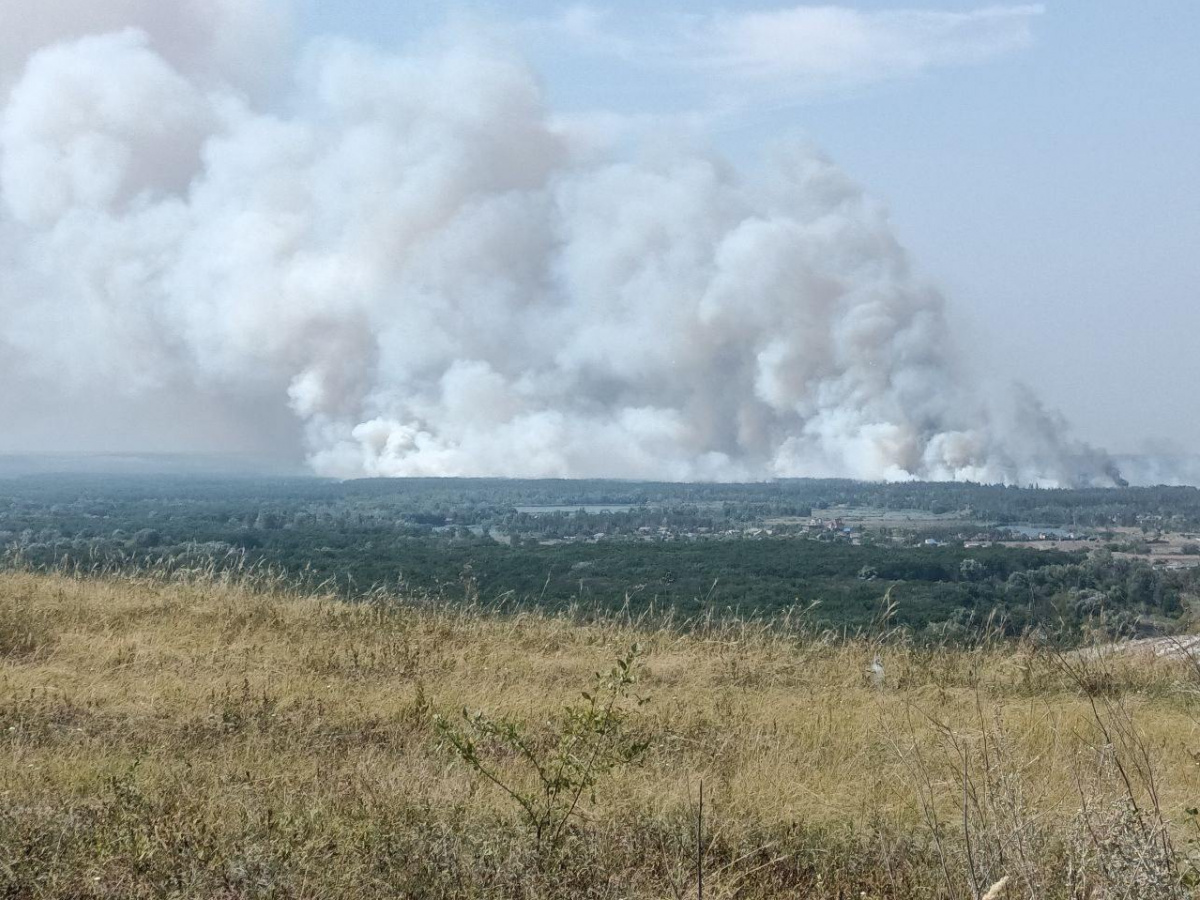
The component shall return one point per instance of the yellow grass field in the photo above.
(222, 739)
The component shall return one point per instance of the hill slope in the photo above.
(216, 739)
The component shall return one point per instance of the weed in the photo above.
(589, 739)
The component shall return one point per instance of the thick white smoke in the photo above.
(239, 43)
(408, 252)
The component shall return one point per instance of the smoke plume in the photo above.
(415, 257)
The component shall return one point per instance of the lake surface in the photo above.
(606, 508)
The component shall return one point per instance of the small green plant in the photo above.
(590, 738)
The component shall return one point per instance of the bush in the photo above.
(593, 737)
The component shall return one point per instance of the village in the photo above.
(901, 528)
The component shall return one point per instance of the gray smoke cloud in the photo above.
(243, 44)
(418, 260)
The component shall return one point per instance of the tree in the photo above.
(972, 570)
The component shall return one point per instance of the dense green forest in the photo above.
(695, 548)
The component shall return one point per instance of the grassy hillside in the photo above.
(222, 740)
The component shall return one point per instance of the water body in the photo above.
(550, 510)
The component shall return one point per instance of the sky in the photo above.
(1001, 192)
(1050, 185)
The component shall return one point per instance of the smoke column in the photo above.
(437, 279)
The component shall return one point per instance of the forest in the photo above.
(688, 550)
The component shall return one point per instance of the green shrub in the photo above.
(591, 738)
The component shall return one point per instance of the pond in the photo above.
(606, 508)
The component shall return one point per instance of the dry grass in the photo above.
(205, 739)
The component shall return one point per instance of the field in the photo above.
(218, 737)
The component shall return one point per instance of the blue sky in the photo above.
(1043, 167)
